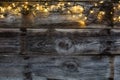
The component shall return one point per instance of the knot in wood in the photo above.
(70, 66)
(64, 46)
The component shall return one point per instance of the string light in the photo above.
(76, 10)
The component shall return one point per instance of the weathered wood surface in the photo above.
(54, 54)
(71, 68)
(11, 68)
(117, 68)
(9, 41)
(56, 67)
(60, 21)
(72, 42)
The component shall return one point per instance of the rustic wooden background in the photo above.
(59, 51)
(59, 54)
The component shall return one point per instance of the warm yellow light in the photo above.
(68, 12)
(13, 4)
(82, 23)
(46, 4)
(41, 8)
(2, 9)
(114, 8)
(114, 18)
(77, 9)
(69, 3)
(45, 10)
(85, 18)
(1, 16)
(37, 4)
(26, 2)
(100, 15)
(80, 15)
(111, 12)
(119, 17)
(52, 7)
(73, 16)
(37, 8)
(61, 4)
(101, 2)
(91, 11)
(25, 7)
(118, 6)
(96, 4)
(102, 12)
(9, 7)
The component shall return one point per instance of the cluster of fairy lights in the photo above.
(76, 11)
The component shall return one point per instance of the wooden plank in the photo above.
(115, 45)
(10, 73)
(60, 22)
(53, 20)
(9, 41)
(56, 68)
(117, 68)
(11, 68)
(66, 43)
(71, 68)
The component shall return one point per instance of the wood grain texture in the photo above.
(56, 67)
(57, 54)
(71, 68)
(66, 43)
(11, 68)
(117, 68)
(54, 20)
(9, 42)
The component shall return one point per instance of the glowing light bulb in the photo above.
(1, 16)
(45, 10)
(114, 18)
(85, 18)
(119, 17)
(25, 7)
(102, 12)
(26, 2)
(114, 8)
(111, 12)
(101, 2)
(69, 3)
(118, 6)
(91, 11)
(68, 12)
(37, 8)
(96, 4)
(2, 9)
